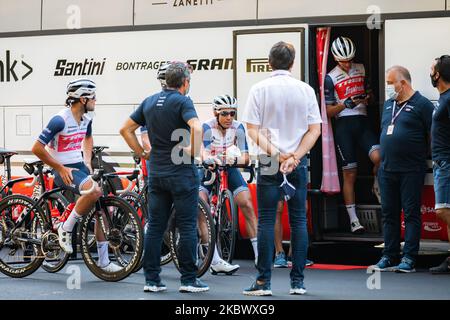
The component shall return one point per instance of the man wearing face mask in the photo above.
(405, 132)
(347, 97)
(440, 147)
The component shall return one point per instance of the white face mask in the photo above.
(390, 92)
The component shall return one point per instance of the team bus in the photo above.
(227, 44)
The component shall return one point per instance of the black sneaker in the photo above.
(444, 267)
(151, 286)
(258, 290)
(196, 286)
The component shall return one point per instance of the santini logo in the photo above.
(8, 69)
(258, 65)
(85, 68)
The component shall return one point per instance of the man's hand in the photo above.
(66, 175)
(288, 165)
(284, 156)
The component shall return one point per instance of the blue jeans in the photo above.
(181, 191)
(401, 190)
(269, 194)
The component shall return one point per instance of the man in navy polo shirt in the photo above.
(170, 118)
(405, 127)
(440, 147)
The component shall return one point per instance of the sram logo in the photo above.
(432, 226)
(9, 70)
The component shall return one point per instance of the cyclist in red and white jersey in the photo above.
(347, 97)
(221, 134)
(67, 134)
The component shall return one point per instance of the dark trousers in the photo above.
(401, 190)
(182, 192)
(269, 194)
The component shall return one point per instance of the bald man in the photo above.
(404, 141)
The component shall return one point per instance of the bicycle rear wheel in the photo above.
(124, 236)
(21, 251)
(205, 250)
(228, 227)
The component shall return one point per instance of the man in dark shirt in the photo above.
(440, 147)
(405, 128)
(170, 119)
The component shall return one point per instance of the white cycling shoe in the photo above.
(111, 267)
(357, 228)
(223, 267)
(65, 239)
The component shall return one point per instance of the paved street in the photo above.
(321, 285)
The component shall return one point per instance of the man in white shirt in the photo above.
(283, 119)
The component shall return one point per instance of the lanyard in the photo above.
(395, 115)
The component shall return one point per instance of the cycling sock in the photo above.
(255, 246)
(73, 218)
(216, 258)
(103, 257)
(351, 209)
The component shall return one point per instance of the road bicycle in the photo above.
(27, 240)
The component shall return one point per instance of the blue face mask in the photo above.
(287, 189)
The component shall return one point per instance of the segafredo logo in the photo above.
(432, 226)
(185, 3)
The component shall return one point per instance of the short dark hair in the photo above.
(443, 67)
(176, 73)
(281, 56)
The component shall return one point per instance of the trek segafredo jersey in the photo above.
(340, 85)
(64, 137)
(216, 143)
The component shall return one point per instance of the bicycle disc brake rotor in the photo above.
(115, 238)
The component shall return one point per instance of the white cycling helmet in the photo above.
(81, 88)
(161, 75)
(224, 101)
(343, 49)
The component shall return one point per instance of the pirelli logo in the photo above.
(258, 65)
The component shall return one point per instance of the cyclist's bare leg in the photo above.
(375, 157)
(244, 201)
(86, 202)
(279, 229)
(349, 185)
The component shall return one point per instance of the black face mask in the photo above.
(434, 82)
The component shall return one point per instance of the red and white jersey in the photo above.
(64, 136)
(340, 85)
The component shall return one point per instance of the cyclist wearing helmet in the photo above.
(219, 134)
(59, 146)
(347, 98)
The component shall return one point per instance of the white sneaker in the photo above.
(223, 267)
(65, 240)
(376, 190)
(357, 227)
(111, 267)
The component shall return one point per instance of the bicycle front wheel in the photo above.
(227, 227)
(124, 234)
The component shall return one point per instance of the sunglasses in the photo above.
(227, 113)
